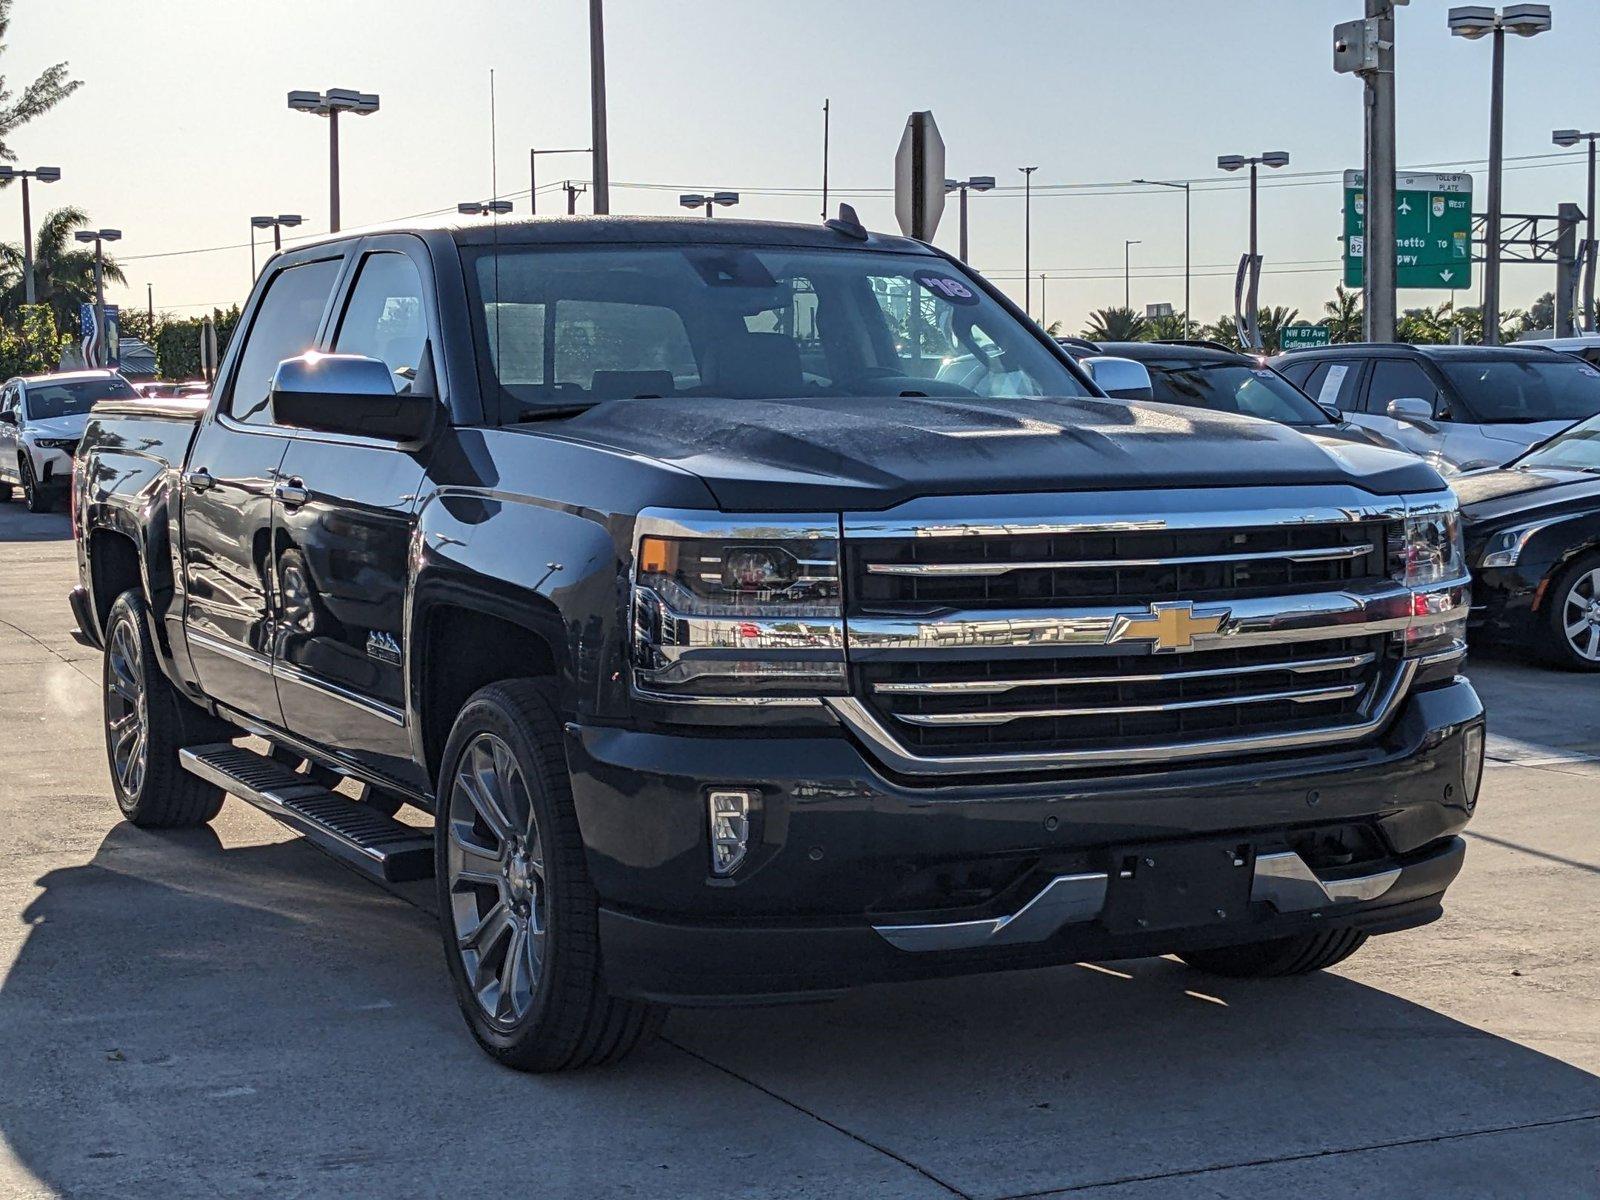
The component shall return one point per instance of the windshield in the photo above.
(558, 328)
(1577, 449)
(46, 400)
(1232, 387)
(1525, 389)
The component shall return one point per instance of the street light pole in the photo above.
(43, 175)
(1569, 138)
(275, 224)
(1474, 21)
(1027, 238)
(1127, 274)
(330, 104)
(1186, 270)
(597, 108)
(707, 199)
(1247, 287)
(99, 237)
(978, 183)
(533, 174)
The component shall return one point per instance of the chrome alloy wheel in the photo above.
(127, 710)
(496, 874)
(1580, 616)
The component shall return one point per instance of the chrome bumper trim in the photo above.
(994, 687)
(1341, 691)
(1064, 900)
(864, 723)
(1288, 883)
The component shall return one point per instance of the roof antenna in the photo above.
(848, 224)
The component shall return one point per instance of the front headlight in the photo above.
(56, 443)
(1505, 548)
(1430, 558)
(737, 607)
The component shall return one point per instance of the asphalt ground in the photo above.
(228, 1012)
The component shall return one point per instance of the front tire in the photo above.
(35, 497)
(1297, 955)
(146, 724)
(516, 908)
(1569, 635)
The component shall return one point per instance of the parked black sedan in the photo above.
(1533, 540)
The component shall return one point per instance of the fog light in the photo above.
(1472, 768)
(729, 813)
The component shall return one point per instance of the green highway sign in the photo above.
(1433, 230)
(1304, 337)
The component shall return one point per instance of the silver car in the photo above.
(1459, 407)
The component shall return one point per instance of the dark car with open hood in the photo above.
(760, 611)
(1533, 541)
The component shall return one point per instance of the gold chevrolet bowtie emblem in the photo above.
(1169, 626)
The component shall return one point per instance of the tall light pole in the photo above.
(99, 237)
(484, 208)
(1474, 21)
(1027, 238)
(707, 200)
(330, 104)
(1247, 287)
(1571, 137)
(533, 174)
(1365, 48)
(1185, 187)
(43, 175)
(1127, 273)
(1042, 324)
(978, 183)
(276, 224)
(597, 108)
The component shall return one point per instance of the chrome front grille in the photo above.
(1121, 628)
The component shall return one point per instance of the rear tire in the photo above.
(518, 914)
(1569, 634)
(35, 497)
(146, 724)
(1298, 955)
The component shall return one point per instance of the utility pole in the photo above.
(597, 110)
(533, 174)
(1027, 238)
(1127, 273)
(826, 118)
(150, 312)
(1366, 48)
(573, 191)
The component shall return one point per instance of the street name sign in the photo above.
(1304, 337)
(1433, 230)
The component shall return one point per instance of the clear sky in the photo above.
(181, 131)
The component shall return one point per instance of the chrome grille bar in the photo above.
(978, 570)
(995, 687)
(1006, 716)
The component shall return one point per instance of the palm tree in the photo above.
(1270, 322)
(63, 274)
(1225, 332)
(1344, 316)
(38, 98)
(1168, 328)
(1115, 325)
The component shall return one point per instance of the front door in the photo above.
(10, 416)
(228, 498)
(345, 520)
(1397, 378)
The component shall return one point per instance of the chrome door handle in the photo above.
(292, 493)
(199, 480)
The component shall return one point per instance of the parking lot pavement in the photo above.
(229, 1012)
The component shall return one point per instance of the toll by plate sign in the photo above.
(1433, 230)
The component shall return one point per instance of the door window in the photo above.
(385, 318)
(285, 326)
(1394, 378)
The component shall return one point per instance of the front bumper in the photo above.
(52, 469)
(838, 848)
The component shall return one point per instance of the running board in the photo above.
(376, 845)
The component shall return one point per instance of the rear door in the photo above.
(228, 488)
(10, 416)
(346, 510)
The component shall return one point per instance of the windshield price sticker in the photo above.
(944, 286)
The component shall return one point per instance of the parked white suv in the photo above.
(41, 419)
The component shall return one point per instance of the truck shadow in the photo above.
(183, 1018)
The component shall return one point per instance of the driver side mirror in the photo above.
(8, 417)
(1120, 378)
(348, 393)
(1413, 410)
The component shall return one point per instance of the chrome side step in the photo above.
(376, 845)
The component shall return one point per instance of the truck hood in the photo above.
(822, 454)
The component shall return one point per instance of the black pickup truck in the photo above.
(762, 611)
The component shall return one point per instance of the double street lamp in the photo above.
(330, 104)
(99, 237)
(702, 200)
(1247, 287)
(1570, 138)
(484, 208)
(1473, 21)
(978, 183)
(276, 224)
(43, 175)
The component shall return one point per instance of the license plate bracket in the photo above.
(1178, 884)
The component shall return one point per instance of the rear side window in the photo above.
(1332, 383)
(385, 318)
(285, 326)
